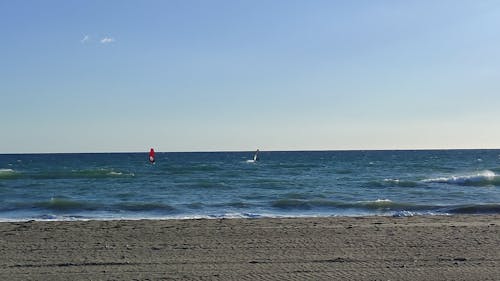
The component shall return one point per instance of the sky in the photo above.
(226, 75)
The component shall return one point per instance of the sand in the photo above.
(337, 248)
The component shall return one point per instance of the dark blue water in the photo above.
(225, 184)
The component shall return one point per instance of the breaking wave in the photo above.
(484, 178)
(474, 209)
(63, 204)
(393, 183)
(7, 173)
(379, 204)
(100, 173)
(386, 205)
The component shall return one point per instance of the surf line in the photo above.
(152, 156)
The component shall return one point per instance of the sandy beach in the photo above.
(336, 248)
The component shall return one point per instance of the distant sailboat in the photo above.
(152, 156)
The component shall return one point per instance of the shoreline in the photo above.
(456, 247)
(397, 215)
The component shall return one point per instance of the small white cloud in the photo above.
(107, 40)
(85, 39)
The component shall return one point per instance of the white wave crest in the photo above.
(375, 201)
(486, 177)
(6, 171)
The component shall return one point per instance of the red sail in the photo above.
(152, 155)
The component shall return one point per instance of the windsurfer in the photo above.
(152, 156)
(256, 156)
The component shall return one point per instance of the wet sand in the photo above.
(337, 248)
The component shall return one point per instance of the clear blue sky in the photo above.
(98, 76)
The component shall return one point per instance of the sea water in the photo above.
(226, 185)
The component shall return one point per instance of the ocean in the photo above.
(108, 186)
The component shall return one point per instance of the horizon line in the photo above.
(239, 151)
